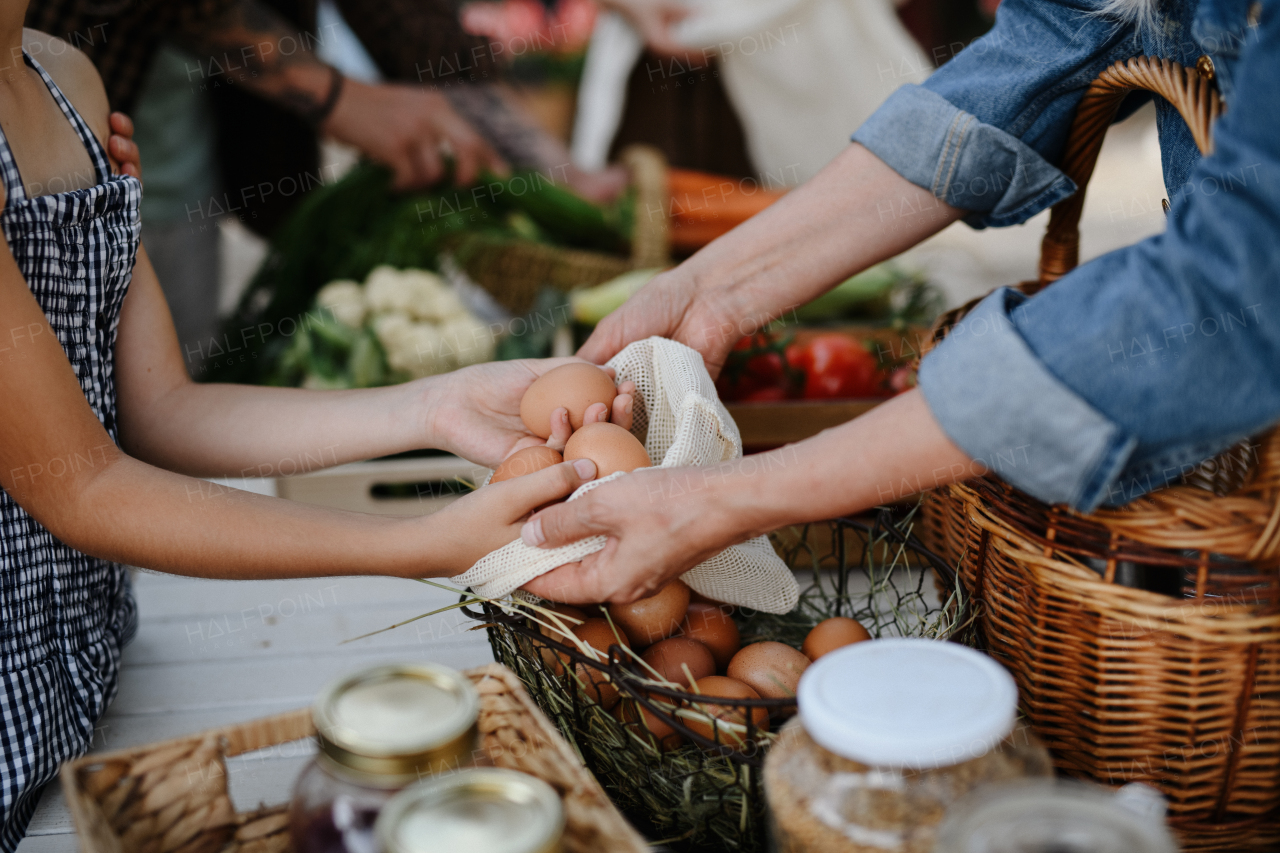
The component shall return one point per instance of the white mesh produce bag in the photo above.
(682, 422)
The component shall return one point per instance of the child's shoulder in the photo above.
(75, 75)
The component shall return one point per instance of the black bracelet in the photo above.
(317, 116)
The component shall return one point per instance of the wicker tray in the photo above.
(171, 797)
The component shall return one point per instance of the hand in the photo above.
(475, 412)
(407, 129)
(598, 187)
(670, 306)
(653, 19)
(121, 148)
(653, 535)
(485, 520)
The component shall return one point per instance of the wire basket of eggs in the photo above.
(673, 700)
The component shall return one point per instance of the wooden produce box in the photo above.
(172, 797)
(405, 487)
(767, 425)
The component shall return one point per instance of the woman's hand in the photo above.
(661, 522)
(485, 520)
(653, 19)
(121, 148)
(475, 412)
(671, 305)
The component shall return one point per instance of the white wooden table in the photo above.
(209, 653)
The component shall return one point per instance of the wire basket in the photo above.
(706, 794)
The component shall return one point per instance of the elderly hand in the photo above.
(410, 129)
(671, 305)
(661, 522)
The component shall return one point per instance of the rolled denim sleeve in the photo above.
(1125, 374)
(967, 163)
(983, 132)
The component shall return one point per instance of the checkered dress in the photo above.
(64, 616)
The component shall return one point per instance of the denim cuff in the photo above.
(995, 399)
(965, 162)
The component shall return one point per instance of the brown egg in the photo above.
(610, 446)
(526, 461)
(654, 618)
(574, 386)
(771, 669)
(599, 635)
(717, 686)
(831, 634)
(552, 630)
(715, 629)
(648, 725)
(669, 657)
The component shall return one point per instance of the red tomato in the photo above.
(837, 366)
(760, 372)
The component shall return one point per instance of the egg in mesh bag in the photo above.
(682, 422)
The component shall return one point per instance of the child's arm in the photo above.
(60, 465)
(243, 430)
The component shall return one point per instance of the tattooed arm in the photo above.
(407, 128)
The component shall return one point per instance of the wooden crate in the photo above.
(404, 487)
(172, 797)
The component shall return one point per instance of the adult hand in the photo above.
(653, 19)
(475, 412)
(654, 535)
(671, 305)
(121, 148)
(410, 130)
(484, 520)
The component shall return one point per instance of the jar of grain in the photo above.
(379, 731)
(889, 734)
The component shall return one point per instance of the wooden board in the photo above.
(380, 486)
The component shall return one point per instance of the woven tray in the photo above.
(171, 797)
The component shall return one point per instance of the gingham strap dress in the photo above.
(64, 616)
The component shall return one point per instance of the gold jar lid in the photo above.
(480, 810)
(400, 720)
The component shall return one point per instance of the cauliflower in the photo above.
(421, 324)
(468, 341)
(345, 300)
(415, 348)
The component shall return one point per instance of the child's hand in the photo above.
(620, 415)
(485, 520)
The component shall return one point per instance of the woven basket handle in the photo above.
(1192, 95)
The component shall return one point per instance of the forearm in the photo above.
(129, 512)
(892, 452)
(213, 430)
(855, 213)
(278, 61)
(494, 111)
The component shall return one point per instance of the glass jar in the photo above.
(379, 731)
(1044, 816)
(889, 734)
(485, 810)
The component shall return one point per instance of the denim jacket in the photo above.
(1137, 366)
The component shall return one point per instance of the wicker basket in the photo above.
(1145, 640)
(515, 271)
(706, 795)
(171, 797)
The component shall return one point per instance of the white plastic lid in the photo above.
(907, 703)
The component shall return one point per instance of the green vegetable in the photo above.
(367, 364)
(345, 229)
(592, 304)
(867, 286)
